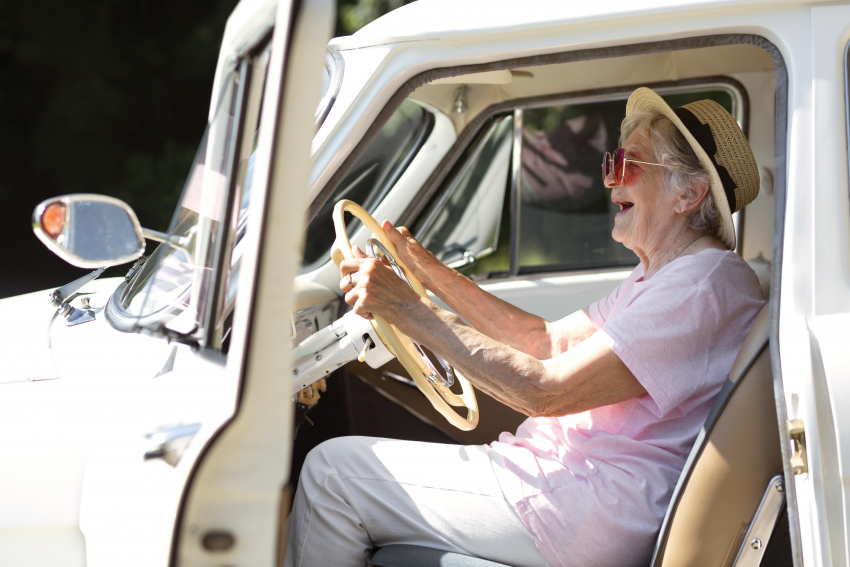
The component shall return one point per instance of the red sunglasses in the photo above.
(617, 163)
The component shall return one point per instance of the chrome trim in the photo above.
(55, 245)
(222, 246)
(64, 293)
(155, 235)
(846, 98)
(169, 443)
(754, 544)
(516, 179)
(373, 248)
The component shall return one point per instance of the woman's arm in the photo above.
(488, 314)
(587, 376)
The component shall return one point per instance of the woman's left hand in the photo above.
(374, 289)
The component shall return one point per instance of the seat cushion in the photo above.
(417, 556)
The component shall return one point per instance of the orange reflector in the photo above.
(53, 219)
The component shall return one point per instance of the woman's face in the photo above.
(646, 209)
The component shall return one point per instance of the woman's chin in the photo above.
(619, 235)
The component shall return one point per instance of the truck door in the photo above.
(197, 478)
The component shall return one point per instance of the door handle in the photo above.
(170, 442)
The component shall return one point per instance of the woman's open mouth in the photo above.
(624, 206)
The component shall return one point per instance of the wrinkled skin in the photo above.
(656, 225)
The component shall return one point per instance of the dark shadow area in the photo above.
(108, 97)
(102, 96)
(778, 552)
(352, 406)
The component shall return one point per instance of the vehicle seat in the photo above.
(714, 503)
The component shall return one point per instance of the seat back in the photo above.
(734, 457)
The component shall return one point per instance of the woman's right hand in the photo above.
(421, 262)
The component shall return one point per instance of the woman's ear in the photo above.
(691, 202)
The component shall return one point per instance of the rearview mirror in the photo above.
(89, 231)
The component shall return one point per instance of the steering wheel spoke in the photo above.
(376, 250)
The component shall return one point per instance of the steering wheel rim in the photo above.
(397, 342)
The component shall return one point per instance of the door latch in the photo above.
(799, 460)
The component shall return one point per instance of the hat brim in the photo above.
(644, 99)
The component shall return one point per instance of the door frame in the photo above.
(250, 454)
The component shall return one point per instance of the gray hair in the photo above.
(684, 173)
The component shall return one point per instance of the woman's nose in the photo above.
(608, 180)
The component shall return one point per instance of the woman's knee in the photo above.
(333, 456)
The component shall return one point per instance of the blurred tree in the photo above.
(98, 96)
(355, 14)
(106, 96)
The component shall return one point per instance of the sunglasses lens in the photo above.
(619, 164)
(607, 163)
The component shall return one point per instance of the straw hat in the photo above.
(721, 148)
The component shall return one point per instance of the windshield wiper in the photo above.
(64, 293)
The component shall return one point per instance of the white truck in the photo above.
(148, 420)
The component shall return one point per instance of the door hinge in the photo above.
(799, 460)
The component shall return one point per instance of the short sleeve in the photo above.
(663, 334)
(601, 310)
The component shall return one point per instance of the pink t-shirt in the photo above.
(593, 488)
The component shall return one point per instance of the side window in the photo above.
(462, 227)
(547, 210)
(371, 177)
(566, 213)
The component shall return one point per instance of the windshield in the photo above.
(370, 178)
(171, 289)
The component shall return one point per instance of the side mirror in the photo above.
(89, 231)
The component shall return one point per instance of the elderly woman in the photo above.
(615, 393)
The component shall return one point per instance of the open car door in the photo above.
(234, 506)
(197, 476)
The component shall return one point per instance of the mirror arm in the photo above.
(154, 235)
(158, 236)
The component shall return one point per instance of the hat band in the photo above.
(703, 135)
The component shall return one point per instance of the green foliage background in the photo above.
(106, 96)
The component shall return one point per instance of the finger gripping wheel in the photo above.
(407, 351)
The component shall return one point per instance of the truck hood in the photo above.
(24, 334)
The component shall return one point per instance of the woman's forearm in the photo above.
(505, 373)
(490, 315)
(586, 377)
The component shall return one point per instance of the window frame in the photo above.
(205, 335)
(439, 180)
(257, 67)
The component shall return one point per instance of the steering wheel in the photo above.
(408, 351)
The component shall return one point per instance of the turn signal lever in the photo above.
(349, 338)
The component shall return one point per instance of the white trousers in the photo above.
(357, 493)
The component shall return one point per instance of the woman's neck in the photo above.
(684, 243)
